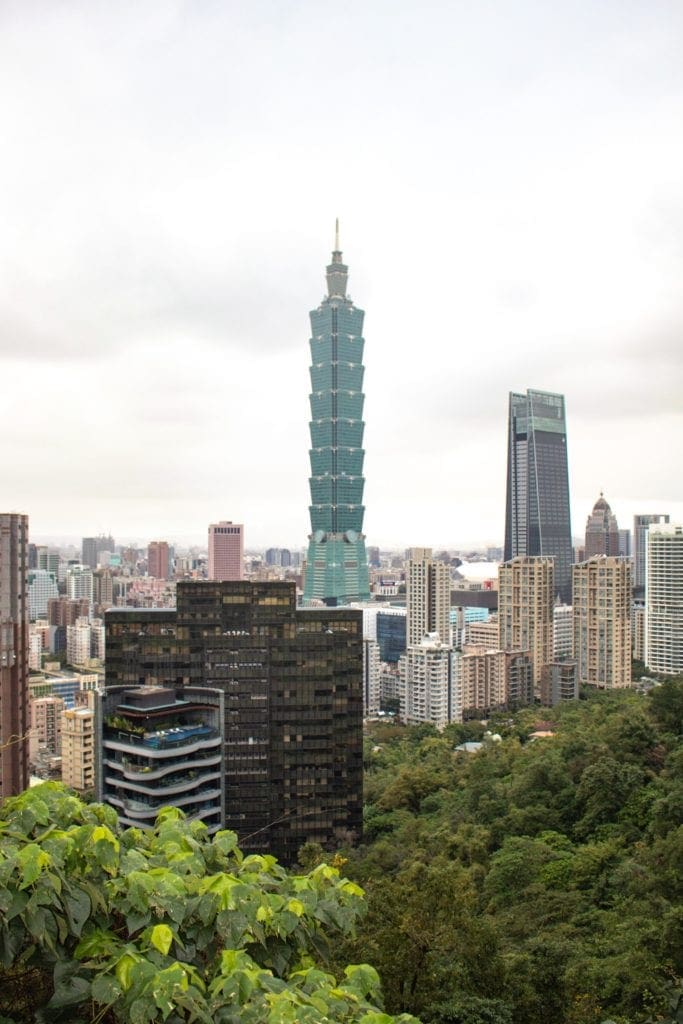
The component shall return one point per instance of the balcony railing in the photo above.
(164, 739)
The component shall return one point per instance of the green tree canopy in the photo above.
(107, 924)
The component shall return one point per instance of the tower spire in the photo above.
(337, 272)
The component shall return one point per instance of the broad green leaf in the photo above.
(124, 967)
(161, 937)
(32, 860)
(106, 989)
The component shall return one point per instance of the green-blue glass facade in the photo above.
(337, 564)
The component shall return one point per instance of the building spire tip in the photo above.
(336, 235)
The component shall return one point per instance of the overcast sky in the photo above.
(509, 180)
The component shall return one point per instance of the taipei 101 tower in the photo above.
(337, 565)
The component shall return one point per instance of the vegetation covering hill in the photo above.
(102, 924)
(535, 881)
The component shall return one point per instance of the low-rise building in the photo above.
(559, 682)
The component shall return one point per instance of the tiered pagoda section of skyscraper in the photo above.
(337, 566)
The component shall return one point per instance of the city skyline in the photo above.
(162, 241)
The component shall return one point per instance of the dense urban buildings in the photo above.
(602, 530)
(525, 609)
(14, 627)
(493, 680)
(641, 525)
(226, 551)
(537, 519)
(664, 598)
(92, 548)
(602, 621)
(291, 682)
(336, 565)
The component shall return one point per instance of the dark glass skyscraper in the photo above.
(537, 518)
(289, 683)
(337, 565)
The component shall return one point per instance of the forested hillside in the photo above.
(104, 924)
(535, 881)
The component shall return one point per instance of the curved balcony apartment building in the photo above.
(161, 747)
(337, 565)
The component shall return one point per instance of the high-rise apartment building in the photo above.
(664, 599)
(371, 677)
(428, 597)
(537, 519)
(14, 628)
(426, 683)
(46, 724)
(291, 682)
(602, 530)
(78, 642)
(526, 591)
(563, 631)
(638, 631)
(102, 589)
(226, 551)
(337, 565)
(641, 525)
(78, 748)
(602, 621)
(158, 561)
(79, 582)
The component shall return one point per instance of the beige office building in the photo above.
(601, 589)
(526, 598)
(428, 598)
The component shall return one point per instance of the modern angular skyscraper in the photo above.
(337, 565)
(537, 520)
